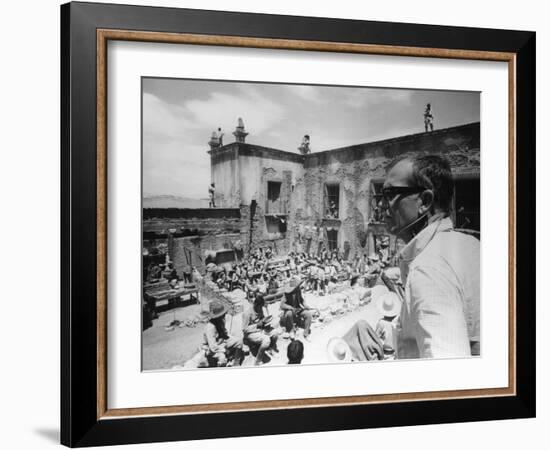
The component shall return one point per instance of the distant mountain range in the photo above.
(173, 201)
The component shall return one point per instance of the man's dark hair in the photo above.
(434, 172)
(295, 352)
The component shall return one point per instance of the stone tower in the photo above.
(240, 133)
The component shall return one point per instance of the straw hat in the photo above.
(389, 304)
(217, 309)
(338, 350)
(292, 286)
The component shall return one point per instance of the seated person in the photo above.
(257, 330)
(221, 281)
(313, 280)
(389, 306)
(171, 273)
(262, 285)
(155, 272)
(234, 281)
(219, 346)
(196, 277)
(295, 352)
(292, 265)
(295, 311)
(321, 286)
(273, 286)
(187, 274)
(364, 342)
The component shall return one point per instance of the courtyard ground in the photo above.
(164, 350)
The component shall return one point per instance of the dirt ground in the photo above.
(171, 349)
(164, 349)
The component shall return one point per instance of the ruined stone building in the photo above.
(292, 201)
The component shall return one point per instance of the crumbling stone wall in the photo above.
(355, 168)
(195, 226)
(193, 250)
(190, 233)
(258, 237)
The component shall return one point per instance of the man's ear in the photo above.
(427, 201)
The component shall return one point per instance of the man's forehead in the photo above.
(400, 174)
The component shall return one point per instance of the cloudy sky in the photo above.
(180, 115)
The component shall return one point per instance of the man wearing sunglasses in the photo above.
(439, 266)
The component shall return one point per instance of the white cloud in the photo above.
(175, 167)
(174, 159)
(258, 112)
(163, 119)
(309, 93)
(358, 98)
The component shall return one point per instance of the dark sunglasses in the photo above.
(390, 192)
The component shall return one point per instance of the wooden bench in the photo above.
(162, 294)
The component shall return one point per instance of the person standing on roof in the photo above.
(428, 118)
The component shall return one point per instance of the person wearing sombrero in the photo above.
(364, 342)
(258, 332)
(295, 311)
(389, 306)
(220, 347)
(339, 351)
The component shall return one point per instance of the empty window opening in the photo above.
(273, 205)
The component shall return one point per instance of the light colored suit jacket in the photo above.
(440, 314)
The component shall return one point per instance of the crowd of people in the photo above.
(261, 332)
(264, 277)
(264, 273)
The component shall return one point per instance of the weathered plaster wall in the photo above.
(258, 168)
(225, 174)
(356, 167)
(354, 179)
(238, 171)
(285, 172)
(257, 165)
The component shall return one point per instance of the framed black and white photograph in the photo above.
(280, 224)
(302, 260)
